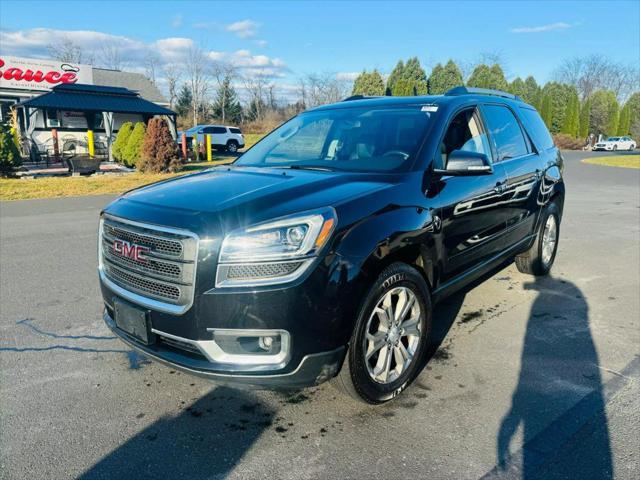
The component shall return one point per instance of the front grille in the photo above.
(261, 270)
(164, 270)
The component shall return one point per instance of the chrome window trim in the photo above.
(136, 298)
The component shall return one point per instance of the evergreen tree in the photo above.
(368, 84)
(159, 152)
(571, 122)
(484, 76)
(624, 125)
(532, 94)
(546, 111)
(633, 107)
(444, 78)
(518, 87)
(9, 153)
(557, 97)
(585, 119)
(184, 101)
(131, 153)
(121, 140)
(604, 113)
(415, 74)
(404, 88)
(226, 106)
(395, 75)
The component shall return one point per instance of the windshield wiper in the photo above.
(303, 167)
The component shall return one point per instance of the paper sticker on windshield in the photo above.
(429, 108)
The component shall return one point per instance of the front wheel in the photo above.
(390, 337)
(539, 259)
(615, 147)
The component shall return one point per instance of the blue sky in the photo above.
(289, 39)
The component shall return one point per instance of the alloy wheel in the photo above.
(392, 335)
(549, 239)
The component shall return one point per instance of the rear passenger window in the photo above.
(505, 131)
(536, 128)
(219, 130)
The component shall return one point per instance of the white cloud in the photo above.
(261, 43)
(542, 28)
(244, 29)
(350, 76)
(177, 21)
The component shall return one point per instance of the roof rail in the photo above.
(359, 97)
(481, 91)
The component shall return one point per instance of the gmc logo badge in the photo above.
(130, 250)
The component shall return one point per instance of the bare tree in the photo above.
(225, 73)
(151, 65)
(111, 55)
(321, 88)
(598, 72)
(198, 71)
(172, 75)
(66, 50)
(255, 86)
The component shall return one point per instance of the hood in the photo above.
(255, 193)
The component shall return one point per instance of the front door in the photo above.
(470, 206)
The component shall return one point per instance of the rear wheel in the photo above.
(232, 146)
(389, 340)
(539, 259)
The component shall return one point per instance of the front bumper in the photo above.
(313, 369)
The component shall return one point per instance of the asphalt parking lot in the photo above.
(532, 378)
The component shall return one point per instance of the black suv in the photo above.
(322, 250)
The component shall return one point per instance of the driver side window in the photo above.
(465, 132)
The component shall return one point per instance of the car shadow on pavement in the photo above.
(559, 390)
(204, 441)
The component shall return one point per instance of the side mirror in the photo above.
(465, 163)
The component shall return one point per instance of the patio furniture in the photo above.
(37, 153)
(83, 164)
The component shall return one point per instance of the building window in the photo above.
(52, 118)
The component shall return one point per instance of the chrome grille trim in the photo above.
(162, 278)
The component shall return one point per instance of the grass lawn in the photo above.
(18, 189)
(623, 161)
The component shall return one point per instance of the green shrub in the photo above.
(9, 154)
(159, 150)
(131, 153)
(121, 141)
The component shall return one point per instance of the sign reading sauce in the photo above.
(34, 74)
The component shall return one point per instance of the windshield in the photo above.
(613, 139)
(194, 129)
(373, 139)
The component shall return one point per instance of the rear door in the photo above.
(219, 136)
(523, 167)
(470, 206)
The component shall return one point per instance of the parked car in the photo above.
(223, 138)
(323, 250)
(616, 143)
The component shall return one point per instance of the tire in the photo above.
(232, 146)
(358, 375)
(632, 147)
(615, 147)
(536, 261)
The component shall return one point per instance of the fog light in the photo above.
(265, 343)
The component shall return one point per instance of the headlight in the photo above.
(274, 252)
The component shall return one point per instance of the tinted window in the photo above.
(465, 133)
(234, 130)
(536, 128)
(366, 139)
(218, 130)
(505, 132)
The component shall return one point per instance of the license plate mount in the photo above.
(132, 320)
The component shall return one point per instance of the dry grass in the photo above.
(55, 187)
(622, 161)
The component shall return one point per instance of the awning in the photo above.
(94, 98)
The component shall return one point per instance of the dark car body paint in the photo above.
(451, 229)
